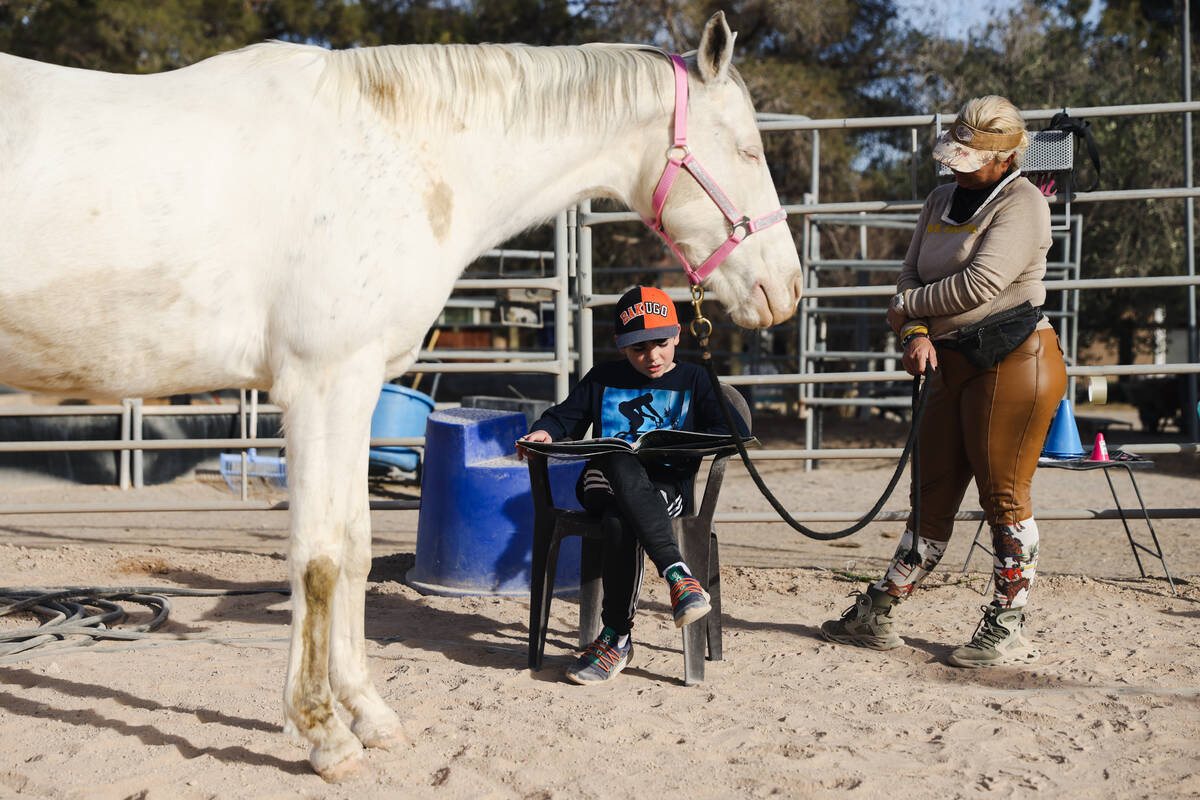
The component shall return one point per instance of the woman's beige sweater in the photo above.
(996, 259)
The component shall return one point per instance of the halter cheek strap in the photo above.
(679, 157)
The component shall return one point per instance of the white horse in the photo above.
(289, 218)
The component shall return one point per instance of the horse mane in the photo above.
(540, 90)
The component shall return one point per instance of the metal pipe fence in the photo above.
(572, 285)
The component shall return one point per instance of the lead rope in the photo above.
(701, 328)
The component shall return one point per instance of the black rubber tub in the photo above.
(102, 467)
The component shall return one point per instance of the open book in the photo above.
(660, 442)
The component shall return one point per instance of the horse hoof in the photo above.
(336, 767)
(342, 771)
(393, 740)
(381, 729)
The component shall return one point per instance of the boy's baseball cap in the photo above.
(645, 313)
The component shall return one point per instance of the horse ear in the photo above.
(716, 48)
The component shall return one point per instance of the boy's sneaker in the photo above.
(863, 625)
(998, 640)
(689, 601)
(602, 660)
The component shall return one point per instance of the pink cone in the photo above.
(1099, 449)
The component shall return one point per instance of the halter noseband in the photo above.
(743, 226)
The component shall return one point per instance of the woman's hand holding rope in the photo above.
(919, 354)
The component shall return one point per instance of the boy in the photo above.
(636, 497)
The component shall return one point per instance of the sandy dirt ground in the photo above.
(1112, 708)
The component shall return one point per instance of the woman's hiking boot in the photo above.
(998, 640)
(867, 623)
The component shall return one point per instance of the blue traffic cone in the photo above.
(1063, 439)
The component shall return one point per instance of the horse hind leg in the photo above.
(308, 705)
(373, 721)
(308, 701)
(327, 420)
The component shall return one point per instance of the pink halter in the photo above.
(743, 226)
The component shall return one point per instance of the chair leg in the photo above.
(541, 592)
(693, 653)
(713, 619)
(975, 543)
(694, 546)
(591, 590)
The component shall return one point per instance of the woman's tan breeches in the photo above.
(990, 425)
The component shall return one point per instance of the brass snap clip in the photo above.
(701, 327)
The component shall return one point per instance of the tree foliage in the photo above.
(820, 58)
(1046, 54)
(155, 35)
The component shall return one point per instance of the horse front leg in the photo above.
(327, 414)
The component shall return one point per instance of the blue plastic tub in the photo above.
(475, 529)
(400, 412)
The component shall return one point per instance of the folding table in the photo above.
(1119, 460)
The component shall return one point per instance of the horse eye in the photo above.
(754, 156)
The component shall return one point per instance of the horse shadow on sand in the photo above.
(245, 608)
(475, 639)
(12, 702)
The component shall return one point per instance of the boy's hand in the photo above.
(532, 436)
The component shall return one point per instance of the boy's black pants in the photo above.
(636, 511)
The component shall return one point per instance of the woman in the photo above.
(979, 249)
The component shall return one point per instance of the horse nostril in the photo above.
(797, 289)
(763, 301)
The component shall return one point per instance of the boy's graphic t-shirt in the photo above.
(614, 399)
(628, 413)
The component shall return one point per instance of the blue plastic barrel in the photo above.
(400, 411)
(475, 529)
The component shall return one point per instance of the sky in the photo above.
(954, 20)
(951, 19)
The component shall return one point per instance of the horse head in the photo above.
(715, 203)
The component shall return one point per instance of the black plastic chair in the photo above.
(697, 542)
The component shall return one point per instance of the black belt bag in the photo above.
(987, 342)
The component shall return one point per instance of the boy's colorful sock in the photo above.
(678, 569)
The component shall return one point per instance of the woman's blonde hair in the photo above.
(995, 114)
